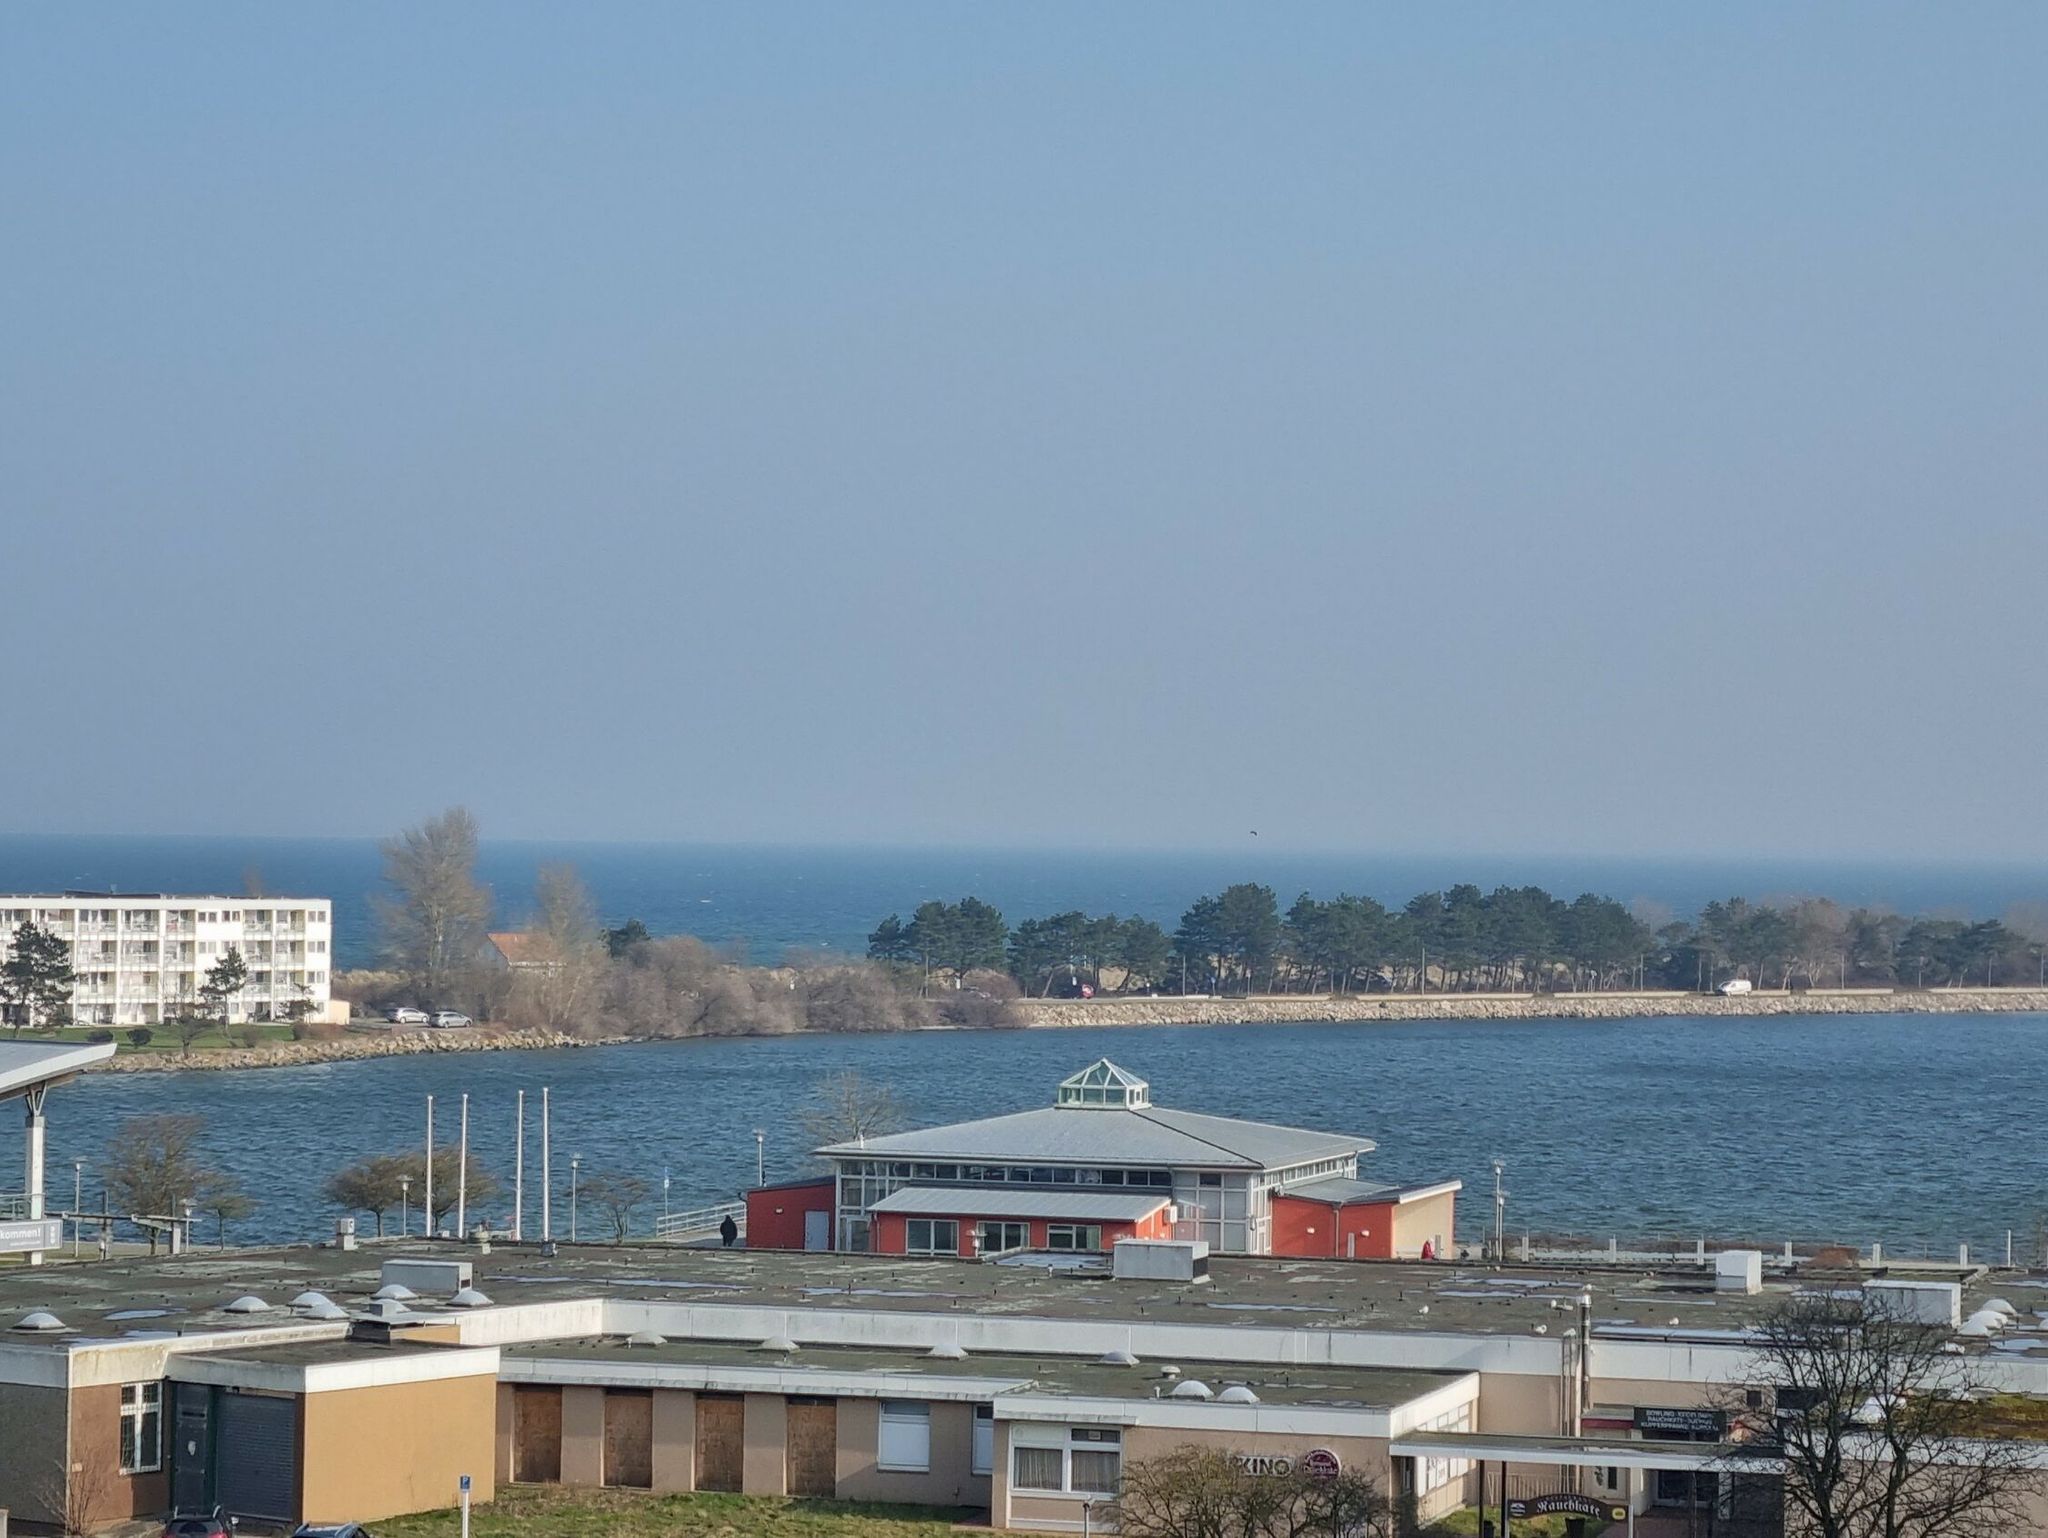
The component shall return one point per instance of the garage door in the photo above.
(813, 1467)
(536, 1433)
(721, 1441)
(256, 1444)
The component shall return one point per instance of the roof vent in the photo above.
(948, 1352)
(310, 1300)
(2000, 1306)
(469, 1297)
(247, 1303)
(386, 1308)
(1191, 1388)
(394, 1292)
(646, 1338)
(324, 1310)
(1169, 1371)
(40, 1322)
(1237, 1393)
(780, 1343)
(1102, 1086)
(1118, 1358)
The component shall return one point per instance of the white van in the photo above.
(1735, 985)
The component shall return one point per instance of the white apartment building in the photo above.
(141, 957)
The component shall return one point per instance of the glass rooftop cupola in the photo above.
(1104, 1086)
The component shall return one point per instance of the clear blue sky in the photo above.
(1610, 428)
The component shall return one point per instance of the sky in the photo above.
(1607, 428)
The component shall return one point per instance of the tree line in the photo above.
(1512, 939)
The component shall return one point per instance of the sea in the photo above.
(767, 901)
(1915, 1131)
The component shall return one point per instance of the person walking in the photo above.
(728, 1230)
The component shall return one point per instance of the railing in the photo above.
(699, 1222)
(13, 1206)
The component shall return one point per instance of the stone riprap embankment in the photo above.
(340, 1049)
(1550, 1006)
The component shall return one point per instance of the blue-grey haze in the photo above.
(1612, 429)
(1908, 1130)
(769, 900)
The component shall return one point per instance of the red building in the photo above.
(1102, 1163)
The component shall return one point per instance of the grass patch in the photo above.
(555, 1511)
(162, 1040)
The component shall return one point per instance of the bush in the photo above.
(247, 1036)
(141, 1036)
(99, 1038)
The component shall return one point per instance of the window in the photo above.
(906, 1443)
(1095, 1464)
(1075, 1460)
(932, 1236)
(1073, 1236)
(1040, 1468)
(142, 1423)
(995, 1238)
(984, 1439)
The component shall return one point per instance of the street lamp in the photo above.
(405, 1205)
(575, 1163)
(760, 1157)
(188, 1204)
(77, 1202)
(664, 1195)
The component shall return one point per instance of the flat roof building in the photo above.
(1100, 1164)
(294, 1385)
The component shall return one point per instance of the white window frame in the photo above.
(984, 1457)
(143, 1404)
(1066, 1441)
(904, 1444)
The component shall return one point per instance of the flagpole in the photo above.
(462, 1175)
(547, 1227)
(430, 1166)
(519, 1170)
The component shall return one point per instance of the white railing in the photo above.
(699, 1222)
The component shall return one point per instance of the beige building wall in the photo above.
(1418, 1223)
(370, 1453)
(675, 1440)
(951, 1480)
(502, 1465)
(582, 1435)
(765, 1464)
(1520, 1404)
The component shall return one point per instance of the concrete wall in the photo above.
(765, 1464)
(32, 1435)
(1429, 1219)
(582, 1436)
(675, 1440)
(370, 1453)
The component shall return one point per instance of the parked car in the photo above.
(403, 1015)
(1735, 986)
(331, 1530)
(450, 1019)
(200, 1524)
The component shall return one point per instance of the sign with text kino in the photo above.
(1566, 1505)
(34, 1234)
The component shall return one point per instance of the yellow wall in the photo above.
(369, 1453)
(1417, 1223)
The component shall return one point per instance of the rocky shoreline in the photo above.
(342, 1049)
(1057, 1014)
(1550, 1006)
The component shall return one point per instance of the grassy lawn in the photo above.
(550, 1511)
(161, 1037)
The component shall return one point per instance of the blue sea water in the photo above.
(772, 899)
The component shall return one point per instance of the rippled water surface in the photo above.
(1909, 1129)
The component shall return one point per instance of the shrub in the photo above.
(141, 1036)
(99, 1038)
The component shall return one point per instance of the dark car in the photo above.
(199, 1524)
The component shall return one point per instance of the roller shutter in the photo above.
(256, 1441)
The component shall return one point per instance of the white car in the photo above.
(401, 1015)
(450, 1019)
(1734, 986)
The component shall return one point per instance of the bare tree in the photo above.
(563, 989)
(76, 1496)
(849, 1108)
(481, 1185)
(616, 1195)
(1201, 1492)
(375, 1185)
(433, 920)
(152, 1167)
(1879, 1424)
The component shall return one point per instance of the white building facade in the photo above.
(140, 958)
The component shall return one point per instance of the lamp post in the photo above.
(664, 1196)
(77, 1202)
(760, 1157)
(575, 1163)
(188, 1204)
(405, 1206)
